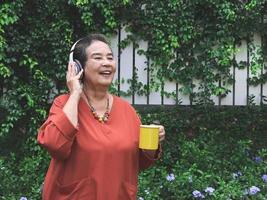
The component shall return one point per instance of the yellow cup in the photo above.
(149, 137)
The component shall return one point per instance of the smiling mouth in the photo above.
(105, 73)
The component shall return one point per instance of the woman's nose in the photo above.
(106, 62)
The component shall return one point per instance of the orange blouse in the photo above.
(93, 161)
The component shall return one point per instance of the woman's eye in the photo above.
(110, 58)
(97, 58)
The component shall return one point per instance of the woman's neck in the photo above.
(95, 94)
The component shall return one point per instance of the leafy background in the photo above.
(205, 143)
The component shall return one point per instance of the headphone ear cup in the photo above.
(78, 66)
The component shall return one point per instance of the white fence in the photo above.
(239, 91)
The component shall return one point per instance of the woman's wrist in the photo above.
(154, 154)
(76, 93)
(150, 153)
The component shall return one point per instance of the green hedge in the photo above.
(220, 147)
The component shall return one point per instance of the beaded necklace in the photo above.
(101, 119)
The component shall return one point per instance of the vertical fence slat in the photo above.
(234, 61)
(162, 94)
(191, 96)
(176, 85)
(162, 91)
(148, 75)
(248, 43)
(176, 96)
(262, 66)
(119, 61)
(133, 77)
(220, 96)
(1, 87)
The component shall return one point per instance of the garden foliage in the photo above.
(187, 40)
(209, 153)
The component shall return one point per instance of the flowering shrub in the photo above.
(210, 163)
(203, 171)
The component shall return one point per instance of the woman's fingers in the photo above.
(80, 74)
(72, 78)
(161, 136)
(72, 70)
(161, 133)
(71, 73)
(68, 71)
(69, 66)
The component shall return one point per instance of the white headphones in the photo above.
(77, 64)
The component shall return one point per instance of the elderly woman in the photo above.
(91, 135)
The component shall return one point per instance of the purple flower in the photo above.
(209, 190)
(264, 177)
(170, 177)
(254, 190)
(258, 159)
(236, 175)
(197, 194)
(23, 198)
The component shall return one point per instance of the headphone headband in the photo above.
(72, 50)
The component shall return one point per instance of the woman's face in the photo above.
(100, 66)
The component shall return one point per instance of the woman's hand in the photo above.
(161, 133)
(73, 80)
(75, 88)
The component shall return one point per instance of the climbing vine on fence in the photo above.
(187, 41)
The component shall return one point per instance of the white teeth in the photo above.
(106, 72)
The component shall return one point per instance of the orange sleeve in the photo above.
(57, 133)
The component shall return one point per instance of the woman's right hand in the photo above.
(75, 88)
(73, 80)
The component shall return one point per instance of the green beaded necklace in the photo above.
(101, 119)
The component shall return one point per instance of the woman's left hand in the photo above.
(161, 133)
